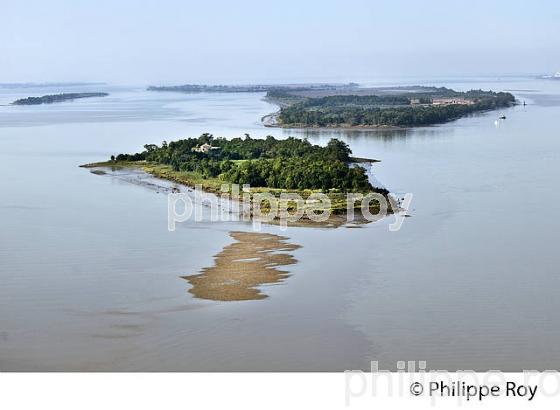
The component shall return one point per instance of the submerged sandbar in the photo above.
(243, 266)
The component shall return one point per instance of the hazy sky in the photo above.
(243, 41)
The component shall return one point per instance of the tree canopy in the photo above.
(290, 163)
(391, 110)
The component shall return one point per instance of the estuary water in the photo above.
(92, 280)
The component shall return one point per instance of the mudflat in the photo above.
(242, 267)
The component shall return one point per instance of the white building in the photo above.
(205, 148)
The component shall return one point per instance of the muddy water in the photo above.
(93, 280)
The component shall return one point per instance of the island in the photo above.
(555, 76)
(251, 88)
(267, 165)
(379, 107)
(54, 98)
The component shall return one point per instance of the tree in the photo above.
(338, 150)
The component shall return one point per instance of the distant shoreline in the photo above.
(378, 109)
(271, 121)
(250, 88)
(54, 98)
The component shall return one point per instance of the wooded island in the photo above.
(54, 98)
(399, 107)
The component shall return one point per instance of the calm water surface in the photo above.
(92, 280)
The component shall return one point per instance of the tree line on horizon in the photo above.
(53, 98)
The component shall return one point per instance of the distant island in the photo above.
(54, 98)
(254, 88)
(49, 85)
(268, 165)
(379, 107)
(555, 76)
(348, 105)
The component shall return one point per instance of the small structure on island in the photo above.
(205, 148)
(452, 101)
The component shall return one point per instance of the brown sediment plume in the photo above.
(244, 265)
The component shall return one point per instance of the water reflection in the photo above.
(325, 133)
(318, 135)
(240, 268)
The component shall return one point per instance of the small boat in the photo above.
(502, 117)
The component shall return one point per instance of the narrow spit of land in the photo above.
(325, 105)
(251, 88)
(54, 98)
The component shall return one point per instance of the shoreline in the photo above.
(348, 127)
(271, 121)
(344, 127)
(57, 98)
(337, 212)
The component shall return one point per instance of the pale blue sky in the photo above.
(171, 41)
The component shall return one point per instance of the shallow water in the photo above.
(240, 269)
(92, 279)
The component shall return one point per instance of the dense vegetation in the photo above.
(287, 164)
(389, 110)
(53, 98)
